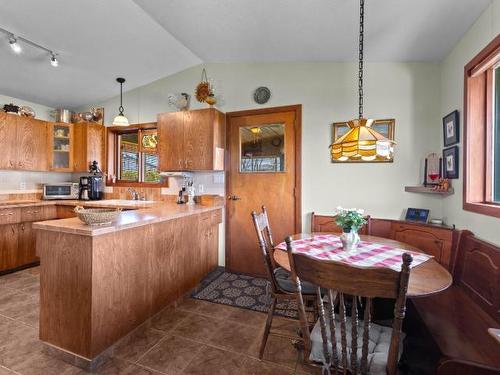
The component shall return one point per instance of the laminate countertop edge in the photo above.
(127, 220)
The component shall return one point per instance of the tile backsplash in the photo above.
(21, 180)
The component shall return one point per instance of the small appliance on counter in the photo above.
(91, 188)
(62, 190)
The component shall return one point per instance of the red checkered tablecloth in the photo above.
(368, 254)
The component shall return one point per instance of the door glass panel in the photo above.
(262, 148)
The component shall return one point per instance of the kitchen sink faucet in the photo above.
(134, 194)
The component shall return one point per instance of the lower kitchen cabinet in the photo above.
(26, 253)
(17, 237)
(9, 246)
(209, 239)
(64, 212)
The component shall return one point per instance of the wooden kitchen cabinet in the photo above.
(23, 142)
(9, 243)
(60, 147)
(89, 145)
(64, 212)
(26, 253)
(17, 237)
(31, 144)
(7, 141)
(191, 140)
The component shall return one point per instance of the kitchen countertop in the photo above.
(149, 213)
(105, 203)
(141, 213)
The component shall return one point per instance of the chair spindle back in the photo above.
(363, 284)
(266, 244)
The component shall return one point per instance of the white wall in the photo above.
(408, 92)
(328, 93)
(11, 181)
(481, 33)
(42, 111)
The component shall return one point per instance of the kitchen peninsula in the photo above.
(99, 283)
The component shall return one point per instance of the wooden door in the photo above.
(79, 148)
(264, 169)
(8, 141)
(95, 144)
(32, 144)
(88, 145)
(198, 139)
(8, 246)
(27, 248)
(171, 141)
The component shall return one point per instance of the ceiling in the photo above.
(315, 30)
(97, 41)
(144, 40)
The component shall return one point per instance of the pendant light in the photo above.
(120, 120)
(361, 142)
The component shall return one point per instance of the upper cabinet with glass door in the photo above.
(61, 147)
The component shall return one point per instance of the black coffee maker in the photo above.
(91, 188)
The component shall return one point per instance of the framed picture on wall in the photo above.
(451, 129)
(450, 162)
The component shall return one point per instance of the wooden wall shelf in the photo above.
(428, 190)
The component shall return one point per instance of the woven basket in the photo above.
(97, 216)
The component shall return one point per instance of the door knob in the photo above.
(233, 198)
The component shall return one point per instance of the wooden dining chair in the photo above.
(282, 288)
(327, 224)
(379, 348)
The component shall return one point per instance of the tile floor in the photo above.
(196, 337)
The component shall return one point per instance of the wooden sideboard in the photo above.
(436, 240)
(439, 241)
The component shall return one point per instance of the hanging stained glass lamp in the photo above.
(362, 142)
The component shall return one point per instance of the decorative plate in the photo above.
(262, 95)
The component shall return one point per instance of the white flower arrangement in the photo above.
(349, 219)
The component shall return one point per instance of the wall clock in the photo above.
(261, 95)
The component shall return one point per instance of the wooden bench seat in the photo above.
(458, 319)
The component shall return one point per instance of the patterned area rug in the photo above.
(242, 291)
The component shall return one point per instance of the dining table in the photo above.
(426, 279)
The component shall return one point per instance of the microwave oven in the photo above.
(63, 190)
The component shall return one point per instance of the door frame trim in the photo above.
(297, 108)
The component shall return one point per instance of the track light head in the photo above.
(14, 45)
(53, 60)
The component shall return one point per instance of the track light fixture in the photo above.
(53, 60)
(16, 47)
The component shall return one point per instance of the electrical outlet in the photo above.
(22, 185)
(201, 188)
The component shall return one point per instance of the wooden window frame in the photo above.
(478, 128)
(112, 134)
